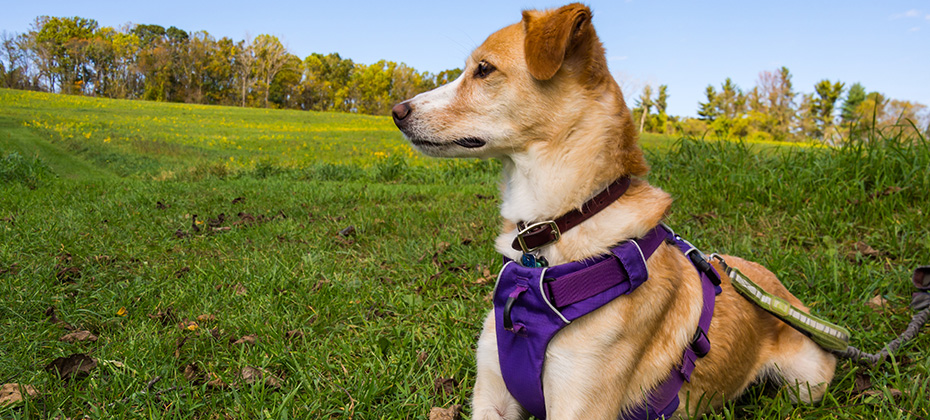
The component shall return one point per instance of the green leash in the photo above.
(826, 334)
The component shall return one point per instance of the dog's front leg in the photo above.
(491, 399)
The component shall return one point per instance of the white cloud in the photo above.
(914, 29)
(908, 14)
(927, 17)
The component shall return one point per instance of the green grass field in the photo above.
(379, 322)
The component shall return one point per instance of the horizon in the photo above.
(682, 45)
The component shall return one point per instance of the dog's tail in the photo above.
(920, 302)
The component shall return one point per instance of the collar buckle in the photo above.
(549, 227)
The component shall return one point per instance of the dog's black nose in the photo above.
(400, 112)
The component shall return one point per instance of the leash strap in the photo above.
(826, 334)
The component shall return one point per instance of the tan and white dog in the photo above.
(538, 96)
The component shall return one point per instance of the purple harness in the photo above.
(532, 304)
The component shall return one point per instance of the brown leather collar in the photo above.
(533, 236)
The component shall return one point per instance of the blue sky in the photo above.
(687, 45)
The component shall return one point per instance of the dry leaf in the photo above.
(894, 393)
(68, 274)
(863, 249)
(444, 385)
(700, 218)
(78, 336)
(50, 313)
(216, 382)
(252, 375)
(239, 289)
(179, 345)
(877, 303)
(862, 383)
(13, 393)
(247, 339)
(121, 312)
(166, 317)
(193, 373)
(75, 366)
(206, 318)
(451, 413)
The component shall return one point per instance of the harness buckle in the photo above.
(535, 228)
(700, 344)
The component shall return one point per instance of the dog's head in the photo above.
(527, 83)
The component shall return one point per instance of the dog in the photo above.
(538, 96)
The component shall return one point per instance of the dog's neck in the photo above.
(550, 178)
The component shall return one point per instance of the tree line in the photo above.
(773, 110)
(75, 55)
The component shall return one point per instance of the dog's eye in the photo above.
(484, 69)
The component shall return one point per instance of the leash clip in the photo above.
(535, 228)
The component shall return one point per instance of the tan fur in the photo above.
(557, 120)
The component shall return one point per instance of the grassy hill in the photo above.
(201, 245)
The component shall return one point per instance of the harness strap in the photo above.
(664, 398)
(627, 266)
(531, 304)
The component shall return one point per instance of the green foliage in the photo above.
(363, 324)
(854, 97)
(146, 61)
(16, 168)
(708, 109)
(390, 168)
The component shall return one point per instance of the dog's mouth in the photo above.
(467, 142)
(470, 142)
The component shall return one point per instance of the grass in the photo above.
(381, 322)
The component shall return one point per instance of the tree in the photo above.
(326, 82)
(870, 113)
(731, 101)
(821, 106)
(219, 75)
(807, 117)
(406, 82)
(854, 97)
(909, 117)
(270, 57)
(14, 62)
(662, 99)
(447, 76)
(246, 72)
(775, 91)
(644, 103)
(708, 111)
(61, 42)
(154, 61)
(285, 88)
(370, 91)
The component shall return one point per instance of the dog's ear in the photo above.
(552, 36)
